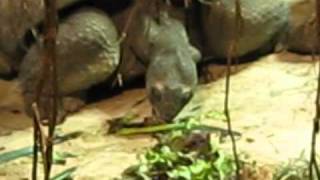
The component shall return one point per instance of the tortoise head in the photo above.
(168, 101)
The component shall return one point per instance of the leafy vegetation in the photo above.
(295, 169)
(185, 154)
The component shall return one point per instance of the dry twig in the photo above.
(49, 75)
(313, 165)
(230, 59)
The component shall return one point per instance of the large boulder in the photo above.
(302, 36)
(87, 53)
(16, 18)
(262, 23)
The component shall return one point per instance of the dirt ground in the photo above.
(271, 104)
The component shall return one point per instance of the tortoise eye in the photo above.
(156, 94)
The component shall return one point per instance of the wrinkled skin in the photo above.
(169, 91)
(158, 44)
(172, 75)
(87, 53)
(135, 46)
(143, 33)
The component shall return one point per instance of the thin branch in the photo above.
(41, 137)
(50, 56)
(231, 55)
(128, 23)
(313, 165)
(35, 150)
(315, 129)
(47, 81)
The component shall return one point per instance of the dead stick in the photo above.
(126, 27)
(50, 56)
(38, 123)
(41, 137)
(231, 54)
(48, 69)
(315, 129)
(35, 150)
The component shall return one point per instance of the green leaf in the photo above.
(60, 157)
(199, 167)
(181, 172)
(216, 115)
(66, 174)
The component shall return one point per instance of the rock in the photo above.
(262, 22)
(16, 18)
(302, 26)
(87, 54)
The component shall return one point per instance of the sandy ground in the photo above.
(271, 104)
